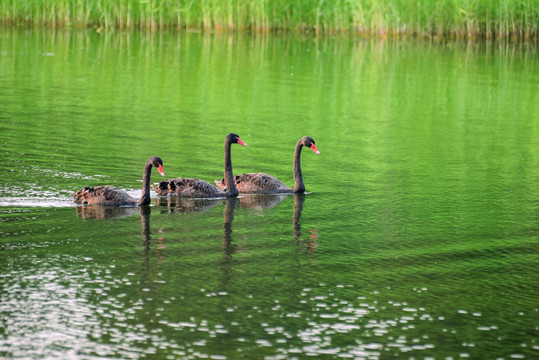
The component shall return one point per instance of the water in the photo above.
(418, 237)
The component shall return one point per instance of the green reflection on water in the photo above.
(419, 236)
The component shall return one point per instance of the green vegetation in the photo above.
(458, 18)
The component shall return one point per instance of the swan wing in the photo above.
(103, 195)
(196, 188)
(260, 183)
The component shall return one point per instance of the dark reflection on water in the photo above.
(145, 212)
(172, 204)
(104, 212)
(173, 284)
(306, 246)
(260, 201)
(228, 215)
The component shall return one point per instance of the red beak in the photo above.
(160, 169)
(313, 148)
(240, 141)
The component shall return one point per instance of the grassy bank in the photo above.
(459, 18)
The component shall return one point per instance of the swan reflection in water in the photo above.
(183, 205)
(309, 245)
(145, 212)
(266, 201)
(305, 248)
(174, 204)
(104, 212)
(228, 216)
(261, 201)
(252, 202)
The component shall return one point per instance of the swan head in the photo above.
(162, 188)
(80, 196)
(158, 164)
(309, 142)
(172, 186)
(235, 139)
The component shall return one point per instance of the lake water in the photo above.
(419, 237)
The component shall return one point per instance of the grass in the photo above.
(455, 18)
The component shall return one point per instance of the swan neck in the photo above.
(299, 186)
(145, 197)
(231, 189)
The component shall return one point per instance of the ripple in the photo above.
(38, 201)
(48, 314)
(33, 195)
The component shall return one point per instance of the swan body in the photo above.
(261, 183)
(111, 196)
(257, 183)
(104, 195)
(196, 188)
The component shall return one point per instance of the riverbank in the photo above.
(429, 18)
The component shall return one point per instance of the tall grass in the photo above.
(459, 18)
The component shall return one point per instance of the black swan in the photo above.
(195, 188)
(260, 183)
(111, 196)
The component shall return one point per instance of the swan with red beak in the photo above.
(111, 196)
(196, 188)
(261, 183)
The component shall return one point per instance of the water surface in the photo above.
(418, 237)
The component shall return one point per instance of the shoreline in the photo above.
(455, 19)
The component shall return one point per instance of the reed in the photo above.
(457, 18)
